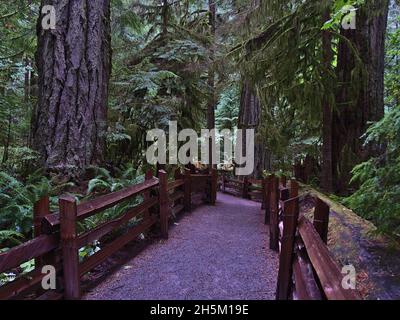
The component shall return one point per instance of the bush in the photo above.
(378, 197)
(16, 202)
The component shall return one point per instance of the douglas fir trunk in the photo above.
(360, 98)
(249, 118)
(74, 64)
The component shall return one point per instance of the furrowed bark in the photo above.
(74, 66)
(360, 97)
(249, 118)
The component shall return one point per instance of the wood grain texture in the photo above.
(306, 287)
(325, 266)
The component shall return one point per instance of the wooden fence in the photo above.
(57, 240)
(307, 270)
(247, 188)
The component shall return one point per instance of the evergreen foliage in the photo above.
(163, 55)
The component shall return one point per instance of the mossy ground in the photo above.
(353, 240)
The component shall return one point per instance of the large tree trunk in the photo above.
(353, 113)
(74, 65)
(249, 118)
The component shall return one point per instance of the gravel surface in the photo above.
(213, 253)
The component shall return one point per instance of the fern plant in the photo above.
(105, 183)
(17, 200)
(11, 236)
(378, 195)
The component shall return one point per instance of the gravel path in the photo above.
(214, 253)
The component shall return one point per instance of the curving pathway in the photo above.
(214, 253)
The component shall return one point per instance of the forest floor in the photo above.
(353, 241)
(214, 253)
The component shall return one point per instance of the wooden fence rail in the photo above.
(57, 239)
(307, 270)
(247, 188)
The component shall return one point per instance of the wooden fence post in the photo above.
(214, 185)
(321, 219)
(188, 191)
(69, 246)
(163, 199)
(245, 194)
(274, 214)
(268, 188)
(159, 167)
(294, 188)
(263, 186)
(40, 210)
(290, 220)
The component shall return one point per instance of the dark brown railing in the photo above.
(247, 188)
(57, 241)
(307, 270)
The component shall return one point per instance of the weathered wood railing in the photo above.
(307, 270)
(232, 185)
(57, 239)
(247, 188)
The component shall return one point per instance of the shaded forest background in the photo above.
(76, 102)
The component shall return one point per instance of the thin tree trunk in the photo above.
(327, 169)
(165, 19)
(27, 82)
(6, 152)
(74, 68)
(211, 74)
